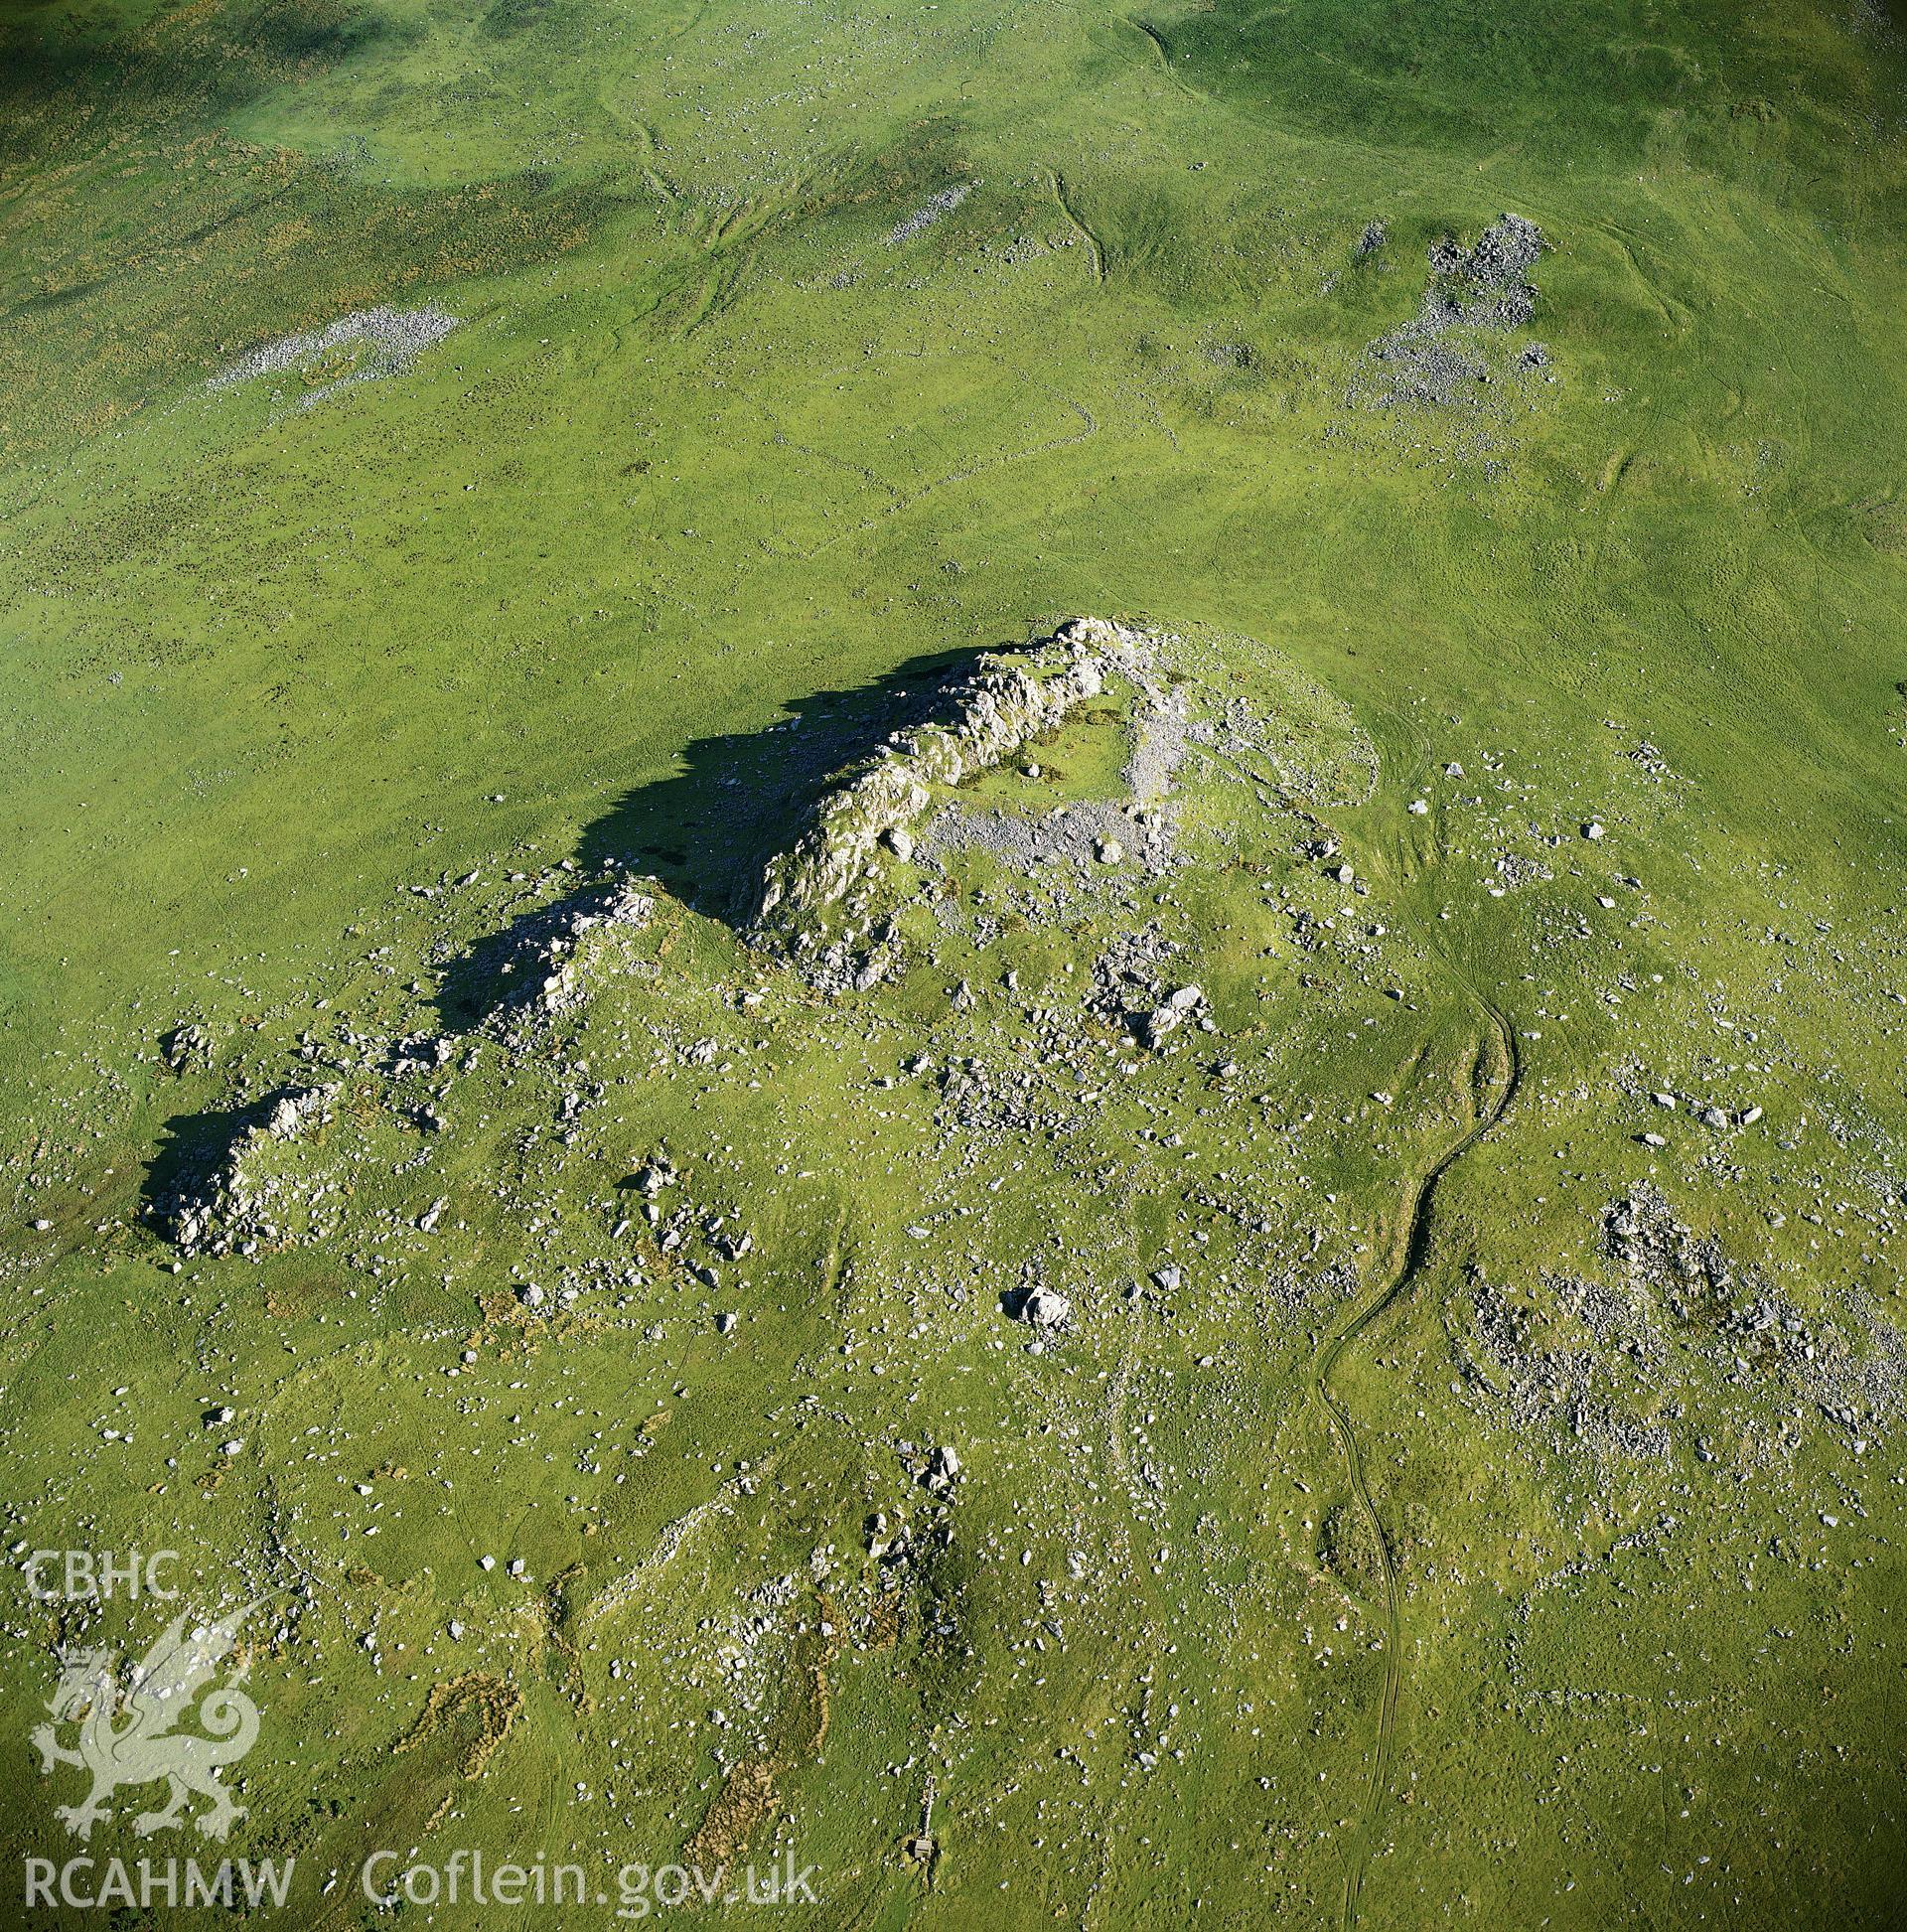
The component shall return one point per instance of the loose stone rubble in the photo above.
(1439, 357)
(388, 341)
(930, 211)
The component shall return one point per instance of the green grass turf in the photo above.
(707, 451)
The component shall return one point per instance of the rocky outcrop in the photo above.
(556, 966)
(1009, 700)
(223, 1211)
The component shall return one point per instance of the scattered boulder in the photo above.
(1045, 1308)
(186, 1047)
(943, 1466)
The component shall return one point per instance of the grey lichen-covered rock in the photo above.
(1047, 1309)
(187, 1048)
(564, 961)
(223, 1211)
(1009, 700)
(290, 1111)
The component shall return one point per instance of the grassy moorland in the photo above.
(1466, 1485)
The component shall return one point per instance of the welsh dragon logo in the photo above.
(126, 1735)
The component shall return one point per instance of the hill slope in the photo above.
(1290, 1301)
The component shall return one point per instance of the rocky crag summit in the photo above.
(816, 895)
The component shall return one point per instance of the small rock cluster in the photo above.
(223, 1210)
(1436, 357)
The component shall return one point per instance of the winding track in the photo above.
(1492, 1078)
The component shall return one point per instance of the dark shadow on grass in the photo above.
(70, 79)
(707, 832)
